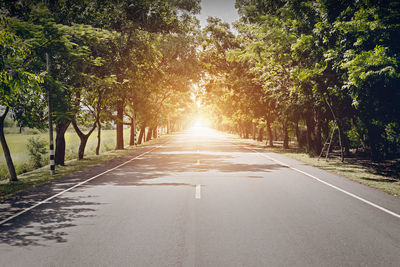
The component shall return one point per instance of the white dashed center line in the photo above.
(198, 191)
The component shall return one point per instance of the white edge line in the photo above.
(326, 183)
(69, 189)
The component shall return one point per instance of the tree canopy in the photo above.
(302, 68)
(297, 70)
(98, 62)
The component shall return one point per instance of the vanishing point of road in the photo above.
(201, 199)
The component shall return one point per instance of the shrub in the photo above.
(23, 168)
(36, 148)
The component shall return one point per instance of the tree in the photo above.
(20, 92)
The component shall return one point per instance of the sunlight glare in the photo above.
(198, 123)
(200, 127)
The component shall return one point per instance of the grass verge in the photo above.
(23, 162)
(356, 169)
(34, 178)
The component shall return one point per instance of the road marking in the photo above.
(72, 187)
(198, 191)
(326, 183)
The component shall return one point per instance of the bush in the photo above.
(23, 168)
(36, 148)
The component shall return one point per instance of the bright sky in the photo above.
(223, 9)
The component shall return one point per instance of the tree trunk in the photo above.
(298, 137)
(374, 151)
(168, 126)
(59, 156)
(246, 133)
(346, 143)
(82, 146)
(260, 136)
(133, 132)
(83, 138)
(310, 130)
(325, 129)
(98, 109)
(120, 125)
(149, 134)
(318, 130)
(98, 137)
(271, 141)
(155, 131)
(142, 132)
(6, 150)
(285, 134)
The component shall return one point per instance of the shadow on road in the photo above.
(171, 164)
(48, 222)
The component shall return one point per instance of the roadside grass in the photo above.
(383, 176)
(39, 176)
(22, 161)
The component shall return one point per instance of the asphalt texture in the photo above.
(201, 199)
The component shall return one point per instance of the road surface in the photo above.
(201, 199)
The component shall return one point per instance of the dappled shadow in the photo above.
(164, 184)
(187, 164)
(208, 147)
(389, 168)
(47, 223)
(51, 221)
(380, 180)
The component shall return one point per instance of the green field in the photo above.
(17, 144)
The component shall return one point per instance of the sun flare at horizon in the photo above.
(200, 126)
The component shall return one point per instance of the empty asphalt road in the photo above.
(200, 198)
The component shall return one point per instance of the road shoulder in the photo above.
(20, 201)
(364, 191)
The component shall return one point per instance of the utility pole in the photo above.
(51, 142)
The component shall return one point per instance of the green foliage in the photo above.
(316, 62)
(89, 56)
(369, 65)
(37, 148)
